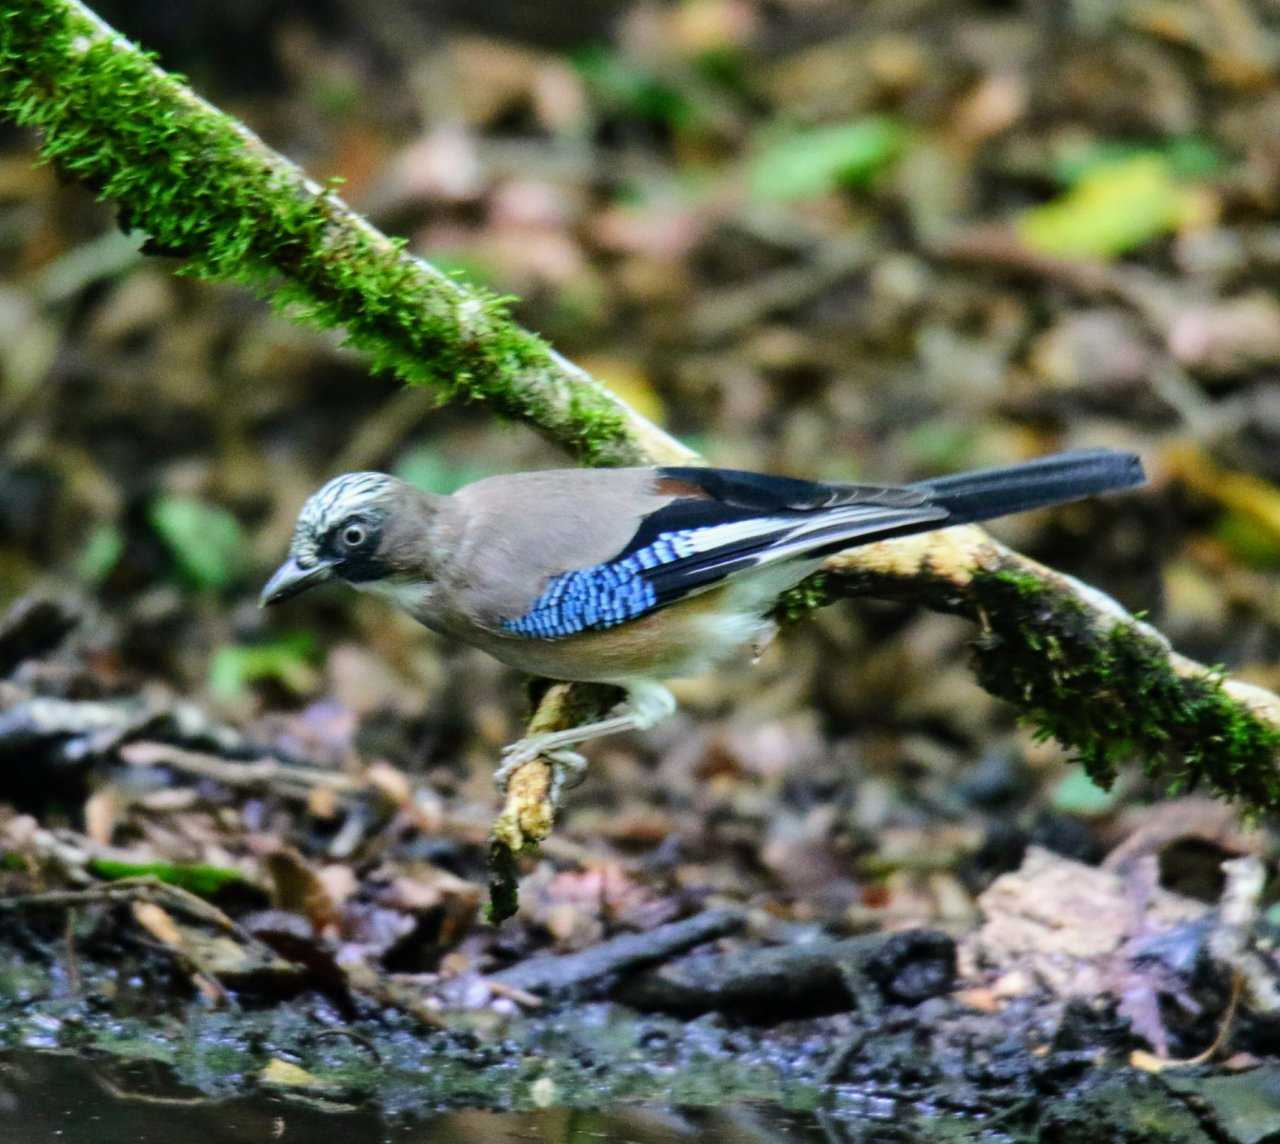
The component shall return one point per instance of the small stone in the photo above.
(543, 1092)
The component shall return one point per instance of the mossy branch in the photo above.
(207, 190)
(1080, 668)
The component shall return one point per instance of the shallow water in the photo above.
(51, 1098)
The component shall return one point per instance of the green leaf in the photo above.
(205, 540)
(624, 85)
(287, 660)
(196, 877)
(100, 553)
(1251, 545)
(804, 164)
(1110, 211)
(1187, 156)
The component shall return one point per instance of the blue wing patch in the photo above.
(694, 543)
(603, 595)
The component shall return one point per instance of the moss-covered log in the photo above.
(206, 190)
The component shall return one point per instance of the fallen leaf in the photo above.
(205, 540)
(157, 922)
(1113, 209)
(284, 1074)
(391, 783)
(196, 877)
(298, 889)
(102, 811)
(806, 163)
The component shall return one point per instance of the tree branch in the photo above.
(207, 190)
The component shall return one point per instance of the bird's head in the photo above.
(365, 528)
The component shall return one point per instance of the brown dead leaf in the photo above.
(494, 76)
(102, 813)
(422, 887)
(1062, 922)
(297, 888)
(997, 102)
(701, 26)
(440, 166)
(1150, 829)
(157, 922)
(1221, 339)
(391, 783)
(980, 999)
(322, 803)
(578, 906)
(160, 924)
(339, 881)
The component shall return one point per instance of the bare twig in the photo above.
(580, 974)
(146, 889)
(289, 779)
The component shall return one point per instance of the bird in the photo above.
(631, 576)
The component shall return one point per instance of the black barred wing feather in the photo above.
(721, 523)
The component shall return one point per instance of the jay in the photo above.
(631, 576)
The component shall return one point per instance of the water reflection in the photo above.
(50, 1098)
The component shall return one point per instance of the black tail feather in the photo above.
(1062, 477)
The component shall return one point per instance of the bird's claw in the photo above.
(514, 756)
(567, 767)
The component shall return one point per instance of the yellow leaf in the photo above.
(1149, 1062)
(282, 1074)
(1111, 210)
(1253, 500)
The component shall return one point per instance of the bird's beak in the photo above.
(291, 578)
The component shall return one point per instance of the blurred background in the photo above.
(875, 240)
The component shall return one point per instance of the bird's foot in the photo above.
(514, 756)
(567, 767)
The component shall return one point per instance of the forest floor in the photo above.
(244, 855)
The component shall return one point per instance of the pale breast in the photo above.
(686, 639)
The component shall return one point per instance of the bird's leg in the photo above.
(646, 704)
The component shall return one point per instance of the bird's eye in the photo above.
(353, 536)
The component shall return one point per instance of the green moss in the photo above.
(198, 878)
(1113, 697)
(806, 597)
(1109, 694)
(504, 884)
(189, 177)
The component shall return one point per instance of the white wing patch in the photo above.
(794, 538)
